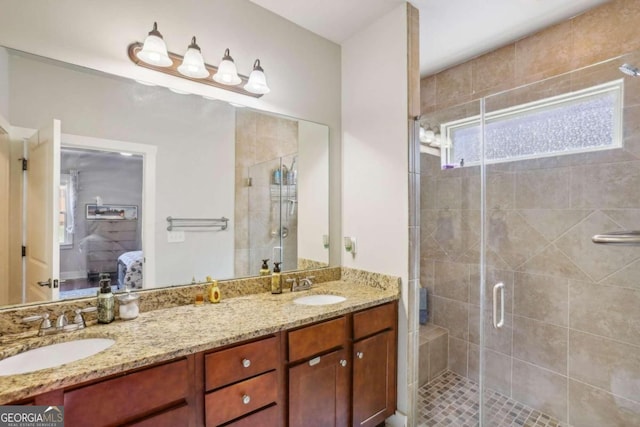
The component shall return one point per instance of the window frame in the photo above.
(615, 87)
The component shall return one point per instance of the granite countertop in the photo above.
(169, 333)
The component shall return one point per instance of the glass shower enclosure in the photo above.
(273, 213)
(542, 320)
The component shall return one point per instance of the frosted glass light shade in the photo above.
(154, 50)
(193, 62)
(227, 73)
(257, 80)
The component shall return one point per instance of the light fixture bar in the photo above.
(172, 70)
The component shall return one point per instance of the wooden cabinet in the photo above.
(334, 373)
(154, 396)
(319, 374)
(374, 365)
(244, 379)
(319, 391)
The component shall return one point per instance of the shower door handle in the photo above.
(498, 288)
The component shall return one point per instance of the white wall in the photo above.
(313, 191)
(195, 155)
(4, 84)
(375, 157)
(303, 69)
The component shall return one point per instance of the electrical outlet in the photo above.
(175, 236)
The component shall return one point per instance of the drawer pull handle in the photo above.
(314, 361)
(246, 399)
(246, 363)
(343, 363)
(360, 355)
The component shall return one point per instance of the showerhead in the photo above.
(630, 70)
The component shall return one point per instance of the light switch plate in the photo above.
(175, 236)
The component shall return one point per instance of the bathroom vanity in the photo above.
(254, 360)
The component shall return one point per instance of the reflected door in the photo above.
(42, 215)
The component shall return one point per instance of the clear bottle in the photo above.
(276, 279)
(264, 270)
(128, 308)
(106, 303)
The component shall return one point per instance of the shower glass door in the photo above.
(273, 214)
(560, 335)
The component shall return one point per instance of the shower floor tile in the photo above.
(452, 400)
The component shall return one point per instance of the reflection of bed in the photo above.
(130, 269)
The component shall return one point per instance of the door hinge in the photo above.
(24, 164)
(24, 251)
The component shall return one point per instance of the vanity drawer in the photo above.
(372, 320)
(315, 339)
(268, 417)
(127, 397)
(236, 400)
(240, 362)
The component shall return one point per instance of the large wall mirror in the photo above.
(111, 159)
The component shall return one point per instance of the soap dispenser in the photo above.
(276, 279)
(214, 291)
(105, 302)
(264, 270)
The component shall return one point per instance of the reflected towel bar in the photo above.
(618, 238)
(174, 223)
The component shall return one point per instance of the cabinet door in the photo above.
(319, 391)
(374, 379)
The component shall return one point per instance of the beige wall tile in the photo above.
(628, 277)
(452, 280)
(607, 364)
(438, 356)
(632, 130)
(458, 356)
(453, 86)
(544, 54)
(589, 406)
(598, 261)
(552, 223)
(501, 189)
(473, 363)
(449, 193)
(427, 275)
(512, 238)
(541, 344)
(552, 262)
(606, 186)
(423, 364)
(606, 31)
(457, 231)
(499, 340)
(452, 315)
(541, 389)
(543, 298)
(605, 310)
(497, 372)
(543, 189)
(494, 71)
(427, 94)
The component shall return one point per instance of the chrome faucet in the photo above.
(302, 284)
(45, 325)
(62, 321)
(79, 318)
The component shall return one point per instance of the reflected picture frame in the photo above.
(111, 212)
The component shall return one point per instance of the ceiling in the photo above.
(451, 31)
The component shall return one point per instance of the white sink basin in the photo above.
(53, 355)
(319, 300)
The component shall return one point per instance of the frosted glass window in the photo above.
(578, 122)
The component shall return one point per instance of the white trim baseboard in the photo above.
(397, 420)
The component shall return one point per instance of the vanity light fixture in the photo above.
(257, 80)
(153, 55)
(154, 50)
(227, 73)
(193, 62)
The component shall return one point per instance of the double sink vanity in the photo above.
(324, 356)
